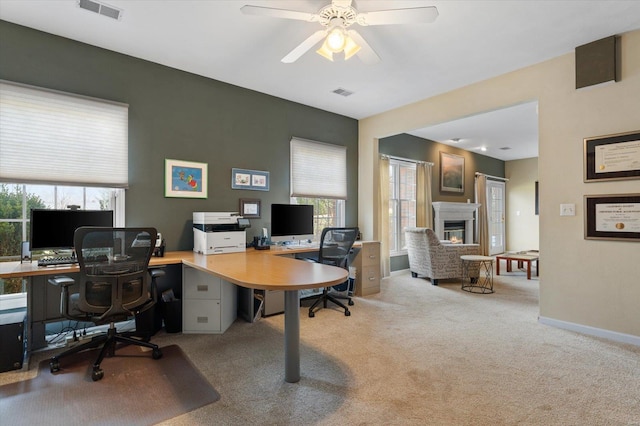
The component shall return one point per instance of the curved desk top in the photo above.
(263, 270)
(258, 269)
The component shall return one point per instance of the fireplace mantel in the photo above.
(446, 211)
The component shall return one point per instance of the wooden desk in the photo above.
(257, 269)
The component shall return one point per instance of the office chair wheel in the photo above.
(350, 302)
(97, 374)
(312, 314)
(157, 354)
(347, 313)
(54, 365)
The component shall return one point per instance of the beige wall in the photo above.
(590, 283)
(521, 221)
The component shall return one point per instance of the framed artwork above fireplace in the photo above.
(451, 172)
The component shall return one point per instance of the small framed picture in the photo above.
(185, 179)
(451, 172)
(249, 208)
(255, 180)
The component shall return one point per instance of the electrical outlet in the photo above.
(567, 209)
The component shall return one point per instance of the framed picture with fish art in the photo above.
(185, 179)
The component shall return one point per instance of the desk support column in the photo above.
(291, 336)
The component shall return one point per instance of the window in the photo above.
(57, 149)
(402, 203)
(17, 200)
(319, 177)
(326, 213)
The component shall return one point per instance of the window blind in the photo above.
(318, 170)
(59, 138)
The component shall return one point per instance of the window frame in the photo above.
(116, 201)
(395, 205)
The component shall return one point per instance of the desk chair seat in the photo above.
(335, 249)
(114, 284)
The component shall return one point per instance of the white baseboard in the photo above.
(591, 331)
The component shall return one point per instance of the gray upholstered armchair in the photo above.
(430, 258)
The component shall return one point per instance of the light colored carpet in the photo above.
(417, 354)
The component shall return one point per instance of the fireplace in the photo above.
(454, 230)
(454, 218)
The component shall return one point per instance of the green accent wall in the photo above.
(178, 115)
(415, 148)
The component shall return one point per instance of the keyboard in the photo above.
(57, 260)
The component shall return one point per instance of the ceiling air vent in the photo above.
(342, 92)
(100, 8)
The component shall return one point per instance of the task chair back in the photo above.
(114, 280)
(335, 246)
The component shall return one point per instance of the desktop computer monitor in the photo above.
(54, 229)
(291, 222)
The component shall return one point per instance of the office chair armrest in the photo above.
(62, 281)
(155, 273)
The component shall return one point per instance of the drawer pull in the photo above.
(202, 287)
(372, 256)
(372, 278)
(202, 320)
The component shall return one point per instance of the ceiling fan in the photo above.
(336, 18)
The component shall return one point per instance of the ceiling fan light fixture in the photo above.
(336, 39)
(350, 48)
(325, 51)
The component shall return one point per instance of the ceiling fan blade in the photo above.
(366, 53)
(304, 47)
(418, 15)
(279, 13)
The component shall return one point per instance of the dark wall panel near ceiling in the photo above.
(178, 115)
(415, 148)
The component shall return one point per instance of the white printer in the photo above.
(219, 232)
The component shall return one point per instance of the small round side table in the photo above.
(483, 284)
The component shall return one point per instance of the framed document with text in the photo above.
(612, 217)
(612, 157)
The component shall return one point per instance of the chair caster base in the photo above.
(312, 314)
(54, 365)
(350, 302)
(156, 354)
(97, 374)
(347, 313)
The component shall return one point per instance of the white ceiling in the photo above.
(470, 41)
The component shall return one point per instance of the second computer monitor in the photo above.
(291, 222)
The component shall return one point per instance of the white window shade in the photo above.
(318, 170)
(59, 138)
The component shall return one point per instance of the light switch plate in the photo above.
(567, 209)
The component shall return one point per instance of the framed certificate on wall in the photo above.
(612, 157)
(612, 217)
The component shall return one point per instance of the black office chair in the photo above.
(335, 249)
(114, 284)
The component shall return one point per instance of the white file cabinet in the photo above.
(209, 303)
